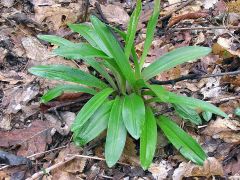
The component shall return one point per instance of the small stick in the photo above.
(40, 173)
(204, 28)
(96, 158)
(192, 77)
(175, 10)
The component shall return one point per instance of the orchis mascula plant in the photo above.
(122, 96)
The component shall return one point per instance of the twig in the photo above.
(192, 77)
(44, 152)
(175, 10)
(204, 28)
(40, 173)
(224, 99)
(67, 159)
(96, 158)
(87, 3)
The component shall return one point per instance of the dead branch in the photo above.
(192, 77)
(205, 28)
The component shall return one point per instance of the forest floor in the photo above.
(35, 145)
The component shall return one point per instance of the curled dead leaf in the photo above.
(211, 167)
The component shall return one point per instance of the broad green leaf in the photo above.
(56, 40)
(207, 116)
(132, 28)
(66, 73)
(174, 58)
(114, 48)
(99, 68)
(148, 139)
(152, 23)
(60, 89)
(186, 112)
(97, 123)
(88, 33)
(80, 51)
(90, 108)
(133, 113)
(185, 144)
(169, 97)
(116, 134)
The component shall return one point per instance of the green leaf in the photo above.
(207, 116)
(66, 73)
(114, 48)
(116, 134)
(174, 58)
(186, 145)
(97, 123)
(56, 40)
(169, 97)
(88, 33)
(79, 51)
(148, 139)
(186, 112)
(152, 23)
(99, 68)
(90, 108)
(132, 28)
(133, 113)
(237, 111)
(60, 89)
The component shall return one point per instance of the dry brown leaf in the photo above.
(115, 14)
(56, 15)
(229, 45)
(225, 129)
(14, 99)
(176, 19)
(75, 166)
(68, 118)
(33, 139)
(210, 168)
(160, 171)
(130, 153)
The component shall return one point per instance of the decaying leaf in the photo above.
(229, 45)
(72, 167)
(210, 168)
(33, 139)
(115, 14)
(14, 99)
(160, 171)
(67, 117)
(225, 129)
(55, 16)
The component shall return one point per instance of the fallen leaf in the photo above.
(229, 45)
(35, 50)
(14, 99)
(176, 19)
(115, 14)
(67, 117)
(211, 167)
(72, 167)
(55, 16)
(160, 170)
(225, 129)
(209, 4)
(33, 139)
(212, 87)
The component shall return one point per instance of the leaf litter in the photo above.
(31, 132)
